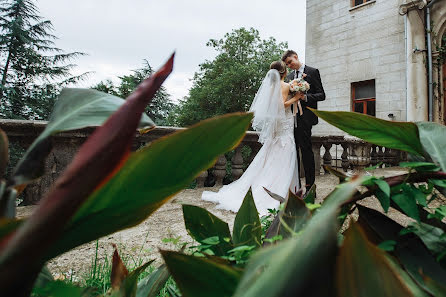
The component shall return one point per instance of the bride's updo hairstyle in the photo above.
(279, 66)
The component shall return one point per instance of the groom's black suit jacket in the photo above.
(315, 93)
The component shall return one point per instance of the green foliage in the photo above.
(228, 83)
(247, 229)
(32, 69)
(160, 106)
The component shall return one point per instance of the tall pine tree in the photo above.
(32, 69)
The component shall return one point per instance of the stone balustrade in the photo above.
(336, 151)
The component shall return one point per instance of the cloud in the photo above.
(119, 35)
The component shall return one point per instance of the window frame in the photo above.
(363, 2)
(362, 100)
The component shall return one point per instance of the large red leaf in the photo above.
(98, 157)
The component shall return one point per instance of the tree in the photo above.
(32, 69)
(160, 106)
(230, 81)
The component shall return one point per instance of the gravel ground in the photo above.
(145, 240)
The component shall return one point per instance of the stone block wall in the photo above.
(355, 44)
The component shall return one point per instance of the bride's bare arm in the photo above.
(285, 91)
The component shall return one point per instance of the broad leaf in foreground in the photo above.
(409, 249)
(363, 269)
(150, 177)
(396, 135)
(247, 229)
(294, 216)
(201, 277)
(201, 224)
(153, 283)
(433, 140)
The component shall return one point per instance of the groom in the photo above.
(302, 133)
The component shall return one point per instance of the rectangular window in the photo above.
(364, 97)
(358, 2)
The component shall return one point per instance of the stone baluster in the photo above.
(344, 157)
(381, 155)
(327, 156)
(237, 163)
(220, 170)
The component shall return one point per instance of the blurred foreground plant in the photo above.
(106, 188)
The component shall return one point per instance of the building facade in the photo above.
(372, 57)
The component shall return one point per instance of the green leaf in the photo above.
(439, 182)
(197, 276)
(417, 194)
(310, 196)
(294, 216)
(58, 289)
(384, 200)
(298, 266)
(150, 177)
(395, 135)
(388, 245)
(420, 166)
(410, 250)
(75, 109)
(247, 228)
(129, 286)
(383, 186)
(408, 204)
(432, 237)
(153, 283)
(433, 140)
(201, 225)
(4, 152)
(365, 270)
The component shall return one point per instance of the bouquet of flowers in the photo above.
(298, 85)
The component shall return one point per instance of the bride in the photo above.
(275, 165)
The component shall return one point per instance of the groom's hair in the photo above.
(287, 54)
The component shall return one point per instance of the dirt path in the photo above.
(143, 241)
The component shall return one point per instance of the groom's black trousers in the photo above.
(302, 137)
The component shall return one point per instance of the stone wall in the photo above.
(355, 44)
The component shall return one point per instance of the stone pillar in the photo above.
(220, 170)
(327, 156)
(417, 101)
(237, 163)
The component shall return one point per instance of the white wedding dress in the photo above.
(275, 165)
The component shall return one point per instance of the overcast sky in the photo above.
(118, 35)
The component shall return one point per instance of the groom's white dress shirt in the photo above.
(299, 72)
